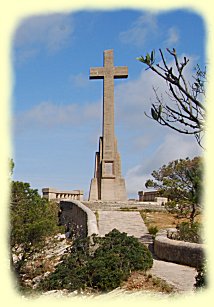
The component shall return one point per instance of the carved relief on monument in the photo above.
(108, 169)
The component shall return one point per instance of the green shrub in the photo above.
(129, 249)
(104, 268)
(201, 277)
(171, 207)
(153, 230)
(128, 209)
(189, 232)
(104, 272)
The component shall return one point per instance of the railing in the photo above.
(68, 196)
(51, 193)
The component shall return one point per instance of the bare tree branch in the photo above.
(185, 112)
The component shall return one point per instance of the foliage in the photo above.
(101, 266)
(189, 232)
(12, 165)
(32, 219)
(153, 230)
(182, 109)
(201, 277)
(181, 182)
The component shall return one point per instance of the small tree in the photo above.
(183, 110)
(32, 219)
(181, 182)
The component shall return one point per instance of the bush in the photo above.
(105, 273)
(153, 230)
(189, 232)
(102, 266)
(201, 277)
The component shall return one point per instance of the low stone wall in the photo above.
(186, 253)
(78, 219)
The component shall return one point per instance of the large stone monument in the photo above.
(107, 183)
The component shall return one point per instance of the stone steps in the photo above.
(108, 206)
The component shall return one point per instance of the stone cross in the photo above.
(108, 183)
(109, 72)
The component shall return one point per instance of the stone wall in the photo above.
(186, 253)
(77, 218)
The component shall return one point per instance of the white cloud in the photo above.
(79, 80)
(144, 26)
(174, 146)
(135, 181)
(147, 28)
(173, 37)
(51, 115)
(50, 32)
(134, 97)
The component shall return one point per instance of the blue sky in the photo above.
(57, 110)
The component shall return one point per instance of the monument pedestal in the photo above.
(113, 189)
(107, 183)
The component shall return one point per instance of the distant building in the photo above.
(53, 194)
(151, 196)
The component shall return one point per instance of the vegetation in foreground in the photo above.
(201, 277)
(101, 266)
(32, 220)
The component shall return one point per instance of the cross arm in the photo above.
(120, 72)
(97, 73)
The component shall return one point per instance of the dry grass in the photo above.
(143, 281)
(162, 220)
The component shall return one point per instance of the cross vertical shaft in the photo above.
(109, 72)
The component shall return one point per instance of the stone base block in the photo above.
(113, 189)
